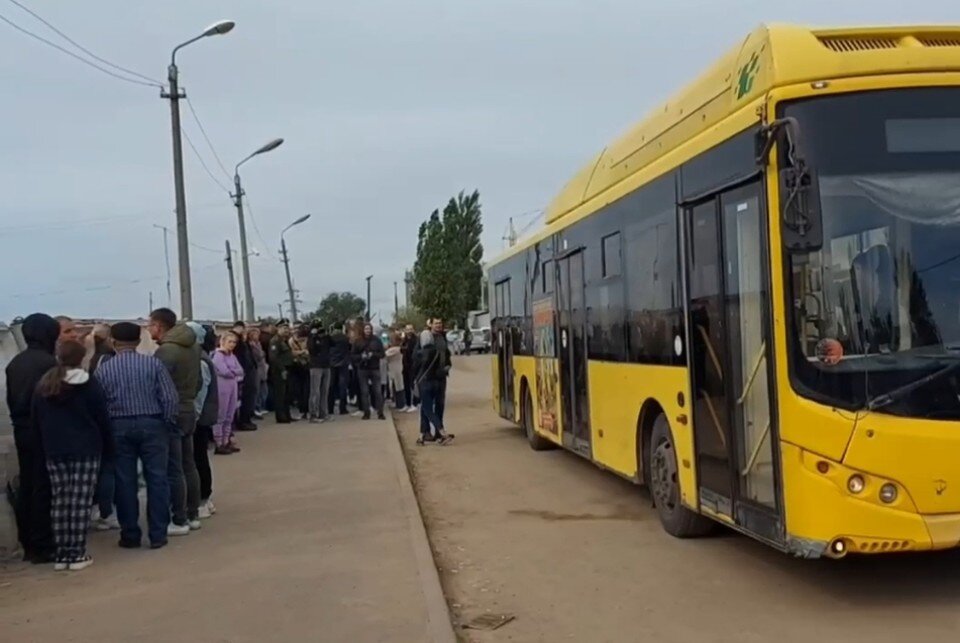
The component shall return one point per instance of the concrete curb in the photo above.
(439, 623)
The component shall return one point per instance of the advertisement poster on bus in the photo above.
(545, 353)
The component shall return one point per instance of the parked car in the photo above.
(480, 340)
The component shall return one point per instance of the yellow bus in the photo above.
(751, 301)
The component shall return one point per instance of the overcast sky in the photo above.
(388, 108)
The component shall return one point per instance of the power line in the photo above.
(206, 138)
(106, 286)
(73, 55)
(203, 163)
(253, 220)
(84, 49)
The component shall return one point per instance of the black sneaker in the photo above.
(381, 416)
(366, 416)
(424, 440)
(162, 543)
(129, 544)
(444, 438)
(248, 427)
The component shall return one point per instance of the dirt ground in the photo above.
(310, 543)
(577, 554)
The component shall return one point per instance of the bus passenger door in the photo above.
(572, 322)
(503, 337)
(730, 361)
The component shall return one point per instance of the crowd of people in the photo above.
(96, 417)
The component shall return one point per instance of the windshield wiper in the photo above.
(897, 394)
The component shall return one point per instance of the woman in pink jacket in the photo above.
(229, 375)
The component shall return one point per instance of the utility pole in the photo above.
(396, 302)
(369, 277)
(233, 288)
(183, 243)
(280, 310)
(151, 301)
(166, 257)
(175, 94)
(286, 267)
(511, 234)
(244, 261)
(407, 280)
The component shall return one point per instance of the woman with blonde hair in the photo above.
(229, 377)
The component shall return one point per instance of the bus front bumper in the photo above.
(824, 517)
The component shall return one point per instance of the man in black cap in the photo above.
(251, 384)
(144, 406)
(40, 332)
(281, 359)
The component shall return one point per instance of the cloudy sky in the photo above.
(388, 108)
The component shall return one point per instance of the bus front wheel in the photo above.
(676, 519)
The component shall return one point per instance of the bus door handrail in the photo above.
(756, 451)
(753, 373)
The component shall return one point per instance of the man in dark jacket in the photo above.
(23, 372)
(433, 366)
(319, 346)
(339, 369)
(367, 353)
(180, 353)
(250, 385)
(408, 349)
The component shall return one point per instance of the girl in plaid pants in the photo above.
(70, 414)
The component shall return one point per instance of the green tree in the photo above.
(447, 274)
(409, 315)
(338, 307)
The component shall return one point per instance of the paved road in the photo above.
(576, 554)
(313, 540)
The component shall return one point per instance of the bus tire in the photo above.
(676, 519)
(534, 439)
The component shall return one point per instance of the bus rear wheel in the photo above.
(536, 441)
(676, 519)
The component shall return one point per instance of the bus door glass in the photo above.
(572, 320)
(504, 347)
(730, 365)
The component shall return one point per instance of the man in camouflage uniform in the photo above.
(281, 358)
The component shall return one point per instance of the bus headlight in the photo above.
(888, 493)
(855, 483)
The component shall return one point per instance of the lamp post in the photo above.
(369, 277)
(238, 201)
(286, 266)
(175, 94)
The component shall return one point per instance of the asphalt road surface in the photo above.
(574, 553)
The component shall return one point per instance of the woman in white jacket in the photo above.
(395, 372)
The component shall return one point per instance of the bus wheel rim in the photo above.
(664, 476)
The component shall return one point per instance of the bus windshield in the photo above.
(877, 308)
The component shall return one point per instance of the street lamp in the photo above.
(286, 266)
(238, 201)
(175, 94)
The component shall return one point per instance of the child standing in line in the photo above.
(229, 377)
(71, 416)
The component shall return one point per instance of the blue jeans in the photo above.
(106, 486)
(146, 439)
(431, 396)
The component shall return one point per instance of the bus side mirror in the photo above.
(801, 219)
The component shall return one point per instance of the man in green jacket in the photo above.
(180, 353)
(281, 359)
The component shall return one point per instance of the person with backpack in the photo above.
(207, 407)
(70, 414)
